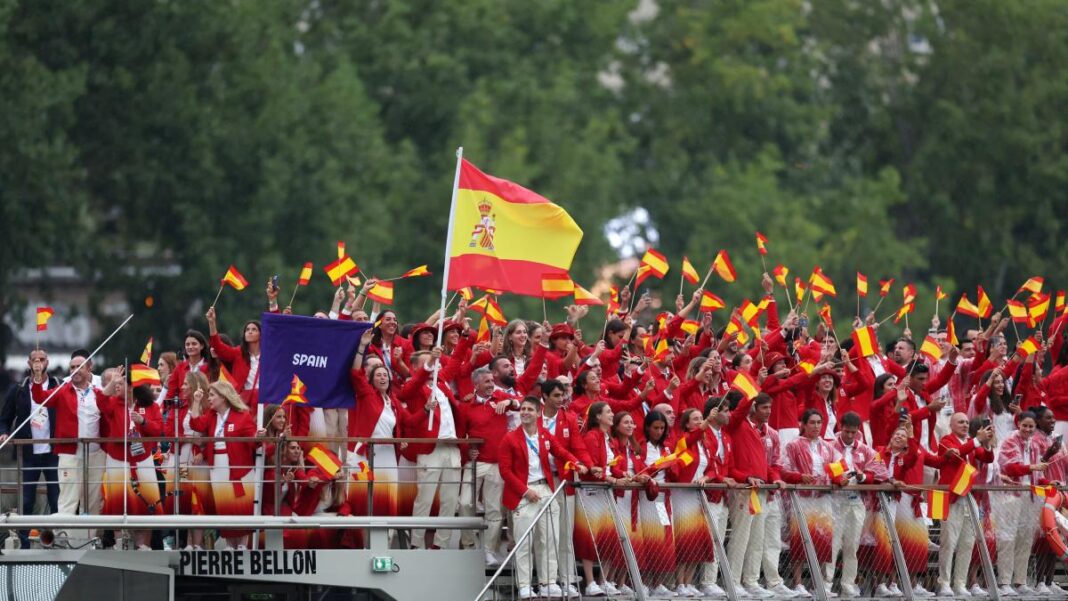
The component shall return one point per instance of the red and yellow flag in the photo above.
(1017, 311)
(297, 390)
(710, 302)
(908, 294)
(381, 292)
(1037, 309)
(1032, 285)
(931, 349)
(324, 459)
(903, 311)
(585, 297)
(865, 341)
(937, 505)
(745, 384)
(417, 272)
(986, 308)
(505, 237)
(657, 263)
(966, 307)
(821, 283)
(1058, 303)
(939, 294)
(780, 272)
(556, 285)
(146, 355)
(762, 243)
(226, 376)
(862, 284)
(754, 502)
(835, 469)
(142, 375)
(341, 268)
(682, 451)
(750, 312)
(234, 279)
(43, 315)
(884, 286)
(963, 481)
(688, 272)
(644, 271)
(951, 332)
(489, 308)
(825, 313)
(1042, 491)
(722, 266)
(483, 331)
(1027, 347)
(466, 293)
(690, 326)
(305, 275)
(799, 290)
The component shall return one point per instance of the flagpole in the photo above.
(445, 273)
(294, 297)
(544, 311)
(221, 285)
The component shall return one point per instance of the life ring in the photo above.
(1048, 521)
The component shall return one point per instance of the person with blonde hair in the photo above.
(186, 459)
(226, 417)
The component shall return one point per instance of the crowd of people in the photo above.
(650, 405)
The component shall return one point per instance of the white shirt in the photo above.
(719, 441)
(652, 454)
(39, 423)
(88, 416)
(513, 416)
(832, 419)
(253, 372)
(534, 471)
(817, 458)
(447, 428)
(220, 429)
(387, 421)
(848, 452)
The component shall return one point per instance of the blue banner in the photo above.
(318, 351)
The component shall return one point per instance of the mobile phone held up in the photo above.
(274, 282)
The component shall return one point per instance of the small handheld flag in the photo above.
(141, 375)
(146, 355)
(688, 272)
(43, 315)
(722, 266)
(234, 279)
(937, 505)
(381, 292)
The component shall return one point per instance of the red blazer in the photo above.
(698, 442)
(363, 417)
(515, 466)
(480, 420)
(174, 382)
(114, 417)
(238, 424)
(969, 451)
(417, 424)
(66, 404)
(594, 440)
(234, 358)
(566, 430)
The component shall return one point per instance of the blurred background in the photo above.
(147, 145)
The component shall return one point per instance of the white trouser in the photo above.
(772, 547)
(337, 425)
(488, 481)
(1016, 537)
(710, 570)
(566, 558)
(437, 472)
(955, 547)
(543, 539)
(71, 487)
(849, 514)
(742, 535)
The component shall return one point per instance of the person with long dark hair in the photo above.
(197, 357)
(243, 360)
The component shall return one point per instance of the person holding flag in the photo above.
(695, 465)
(960, 455)
(595, 536)
(1021, 457)
(657, 562)
(242, 360)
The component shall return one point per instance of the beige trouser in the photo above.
(955, 548)
(1016, 537)
(437, 472)
(543, 538)
(337, 425)
(566, 557)
(849, 514)
(71, 487)
(743, 535)
(488, 481)
(710, 569)
(772, 540)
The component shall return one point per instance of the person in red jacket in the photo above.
(594, 535)
(957, 535)
(130, 483)
(187, 459)
(433, 415)
(657, 562)
(693, 544)
(231, 462)
(750, 466)
(243, 360)
(528, 485)
(197, 357)
(1020, 457)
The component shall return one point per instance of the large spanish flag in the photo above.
(506, 237)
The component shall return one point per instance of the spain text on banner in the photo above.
(506, 237)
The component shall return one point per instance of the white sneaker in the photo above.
(626, 590)
(610, 588)
(683, 591)
(491, 560)
(1023, 589)
(712, 590)
(883, 591)
(1042, 589)
(1057, 590)
(801, 591)
(919, 591)
(188, 548)
(895, 591)
(978, 591)
(144, 548)
(594, 590)
(553, 591)
(944, 591)
(572, 591)
(242, 548)
(757, 592)
(849, 591)
(960, 591)
(525, 593)
(662, 592)
(830, 594)
(781, 591)
(1007, 591)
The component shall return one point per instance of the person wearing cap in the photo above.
(775, 378)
